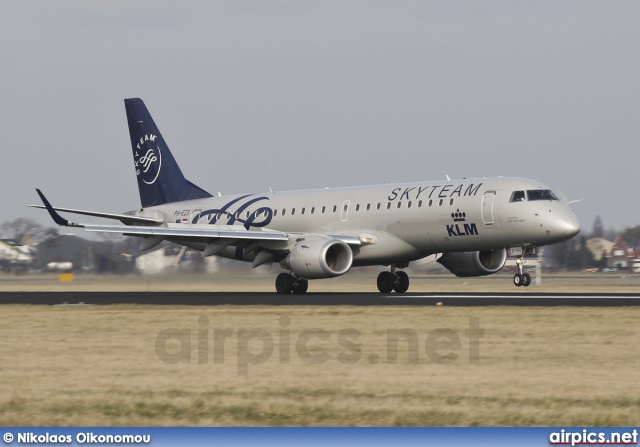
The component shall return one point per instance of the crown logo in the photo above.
(458, 216)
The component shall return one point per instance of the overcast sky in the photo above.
(308, 94)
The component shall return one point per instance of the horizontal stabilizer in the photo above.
(124, 218)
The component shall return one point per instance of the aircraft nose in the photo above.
(568, 224)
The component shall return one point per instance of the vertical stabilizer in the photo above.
(160, 179)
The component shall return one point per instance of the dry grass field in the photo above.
(110, 365)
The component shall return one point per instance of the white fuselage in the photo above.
(396, 222)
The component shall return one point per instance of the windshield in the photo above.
(517, 196)
(541, 194)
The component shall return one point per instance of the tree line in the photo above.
(572, 254)
(575, 255)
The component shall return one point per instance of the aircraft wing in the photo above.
(209, 231)
(216, 232)
(217, 236)
(124, 218)
(213, 231)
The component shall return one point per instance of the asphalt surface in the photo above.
(320, 299)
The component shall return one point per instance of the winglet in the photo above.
(54, 215)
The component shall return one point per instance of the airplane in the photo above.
(315, 234)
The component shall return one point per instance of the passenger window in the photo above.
(409, 204)
(368, 206)
(302, 212)
(430, 202)
(313, 209)
(389, 205)
(275, 213)
(419, 203)
(450, 201)
(358, 207)
(378, 206)
(517, 196)
(293, 211)
(323, 209)
(440, 202)
(399, 205)
(284, 211)
(335, 208)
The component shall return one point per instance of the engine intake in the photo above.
(320, 258)
(474, 263)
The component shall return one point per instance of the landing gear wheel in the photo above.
(284, 284)
(300, 286)
(518, 279)
(386, 282)
(521, 278)
(401, 283)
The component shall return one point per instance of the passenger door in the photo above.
(487, 207)
(344, 211)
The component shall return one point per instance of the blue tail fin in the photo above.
(160, 180)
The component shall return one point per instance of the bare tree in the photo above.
(26, 231)
(632, 237)
(571, 254)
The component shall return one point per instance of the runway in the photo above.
(320, 299)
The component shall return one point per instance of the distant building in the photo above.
(15, 257)
(69, 252)
(616, 254)
(66, 248)
(173, 258)
(620, 255)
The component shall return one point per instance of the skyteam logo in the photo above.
(148, 159)
(236, 211)
(461, 229)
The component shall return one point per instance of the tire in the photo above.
(284, 284)
(401, 283)
(526, 280)
(518, 279)
(301, 287)
(386, 281)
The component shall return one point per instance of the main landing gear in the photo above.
(287, 283)
(397, 281)
(388, 281)
(521, 279)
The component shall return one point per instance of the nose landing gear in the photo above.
(521, 279)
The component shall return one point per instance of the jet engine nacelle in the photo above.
(320, 258)
(474, 263)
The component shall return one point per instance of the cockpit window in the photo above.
(541, 194)
(517, 196)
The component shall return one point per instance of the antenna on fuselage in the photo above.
(448, 179)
